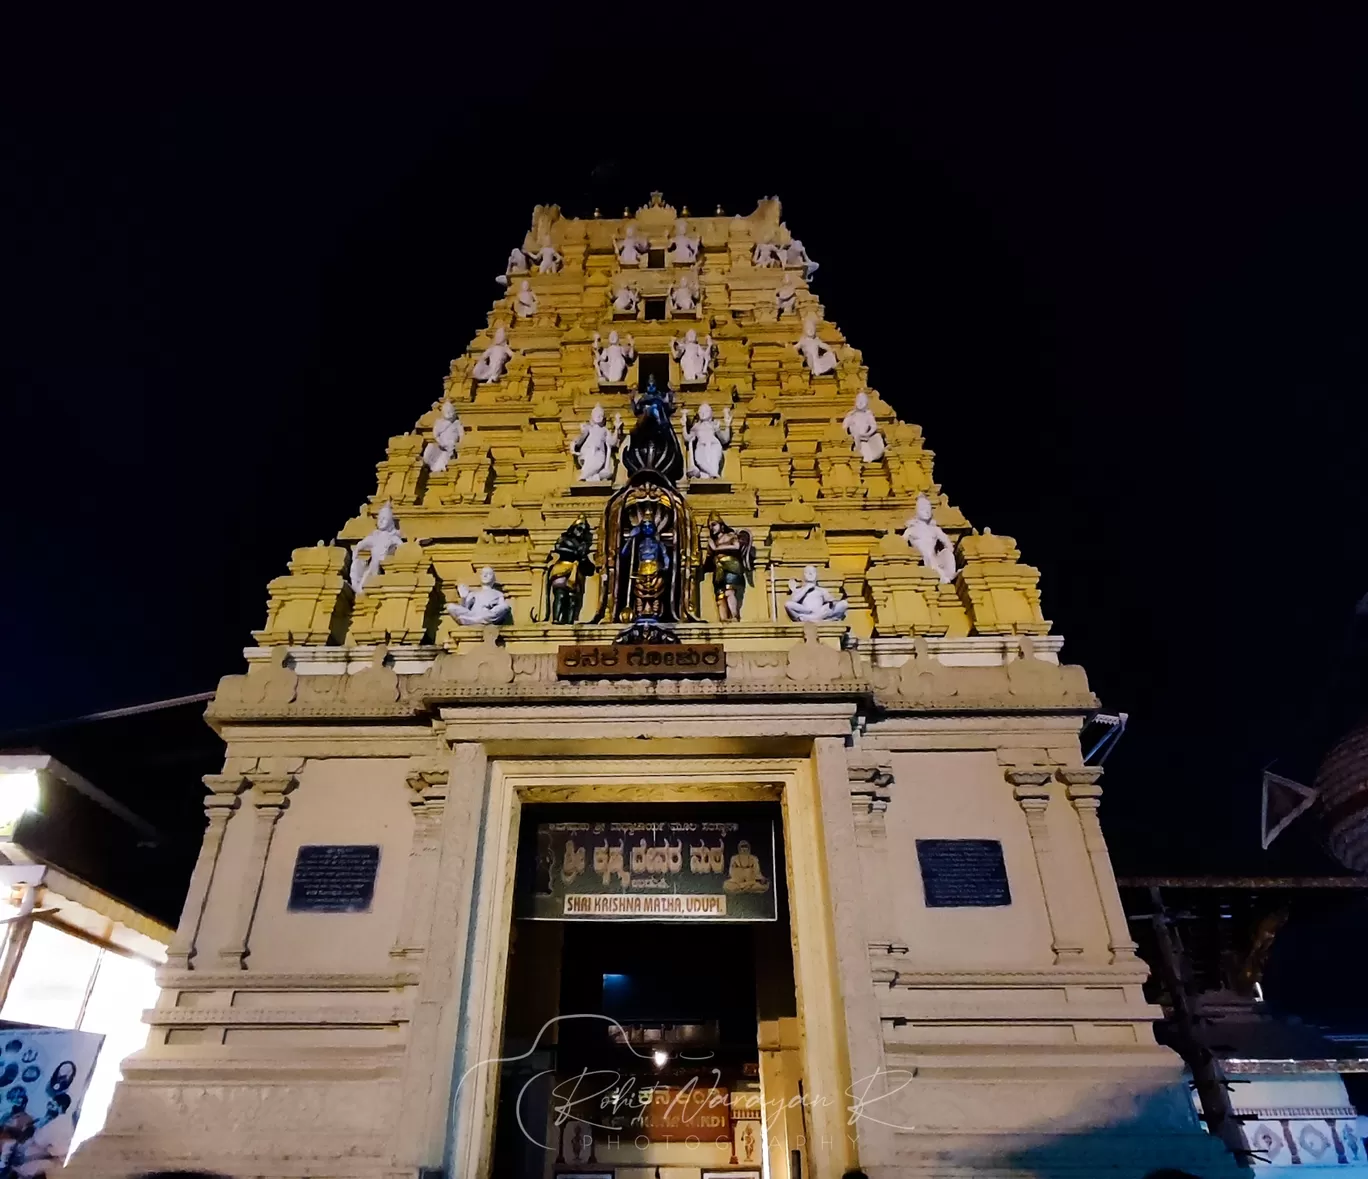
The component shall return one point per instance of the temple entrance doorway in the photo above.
(650, 1026)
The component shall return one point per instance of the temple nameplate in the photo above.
(609, 661)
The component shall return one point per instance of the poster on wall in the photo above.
(654, 871)
(44, 1073)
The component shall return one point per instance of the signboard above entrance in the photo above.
(608, 660)
(652, 870)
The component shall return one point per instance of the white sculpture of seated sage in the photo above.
(626, 299)
(683, 249)
(490, 366)
(525, 306)
(695, 359)
(797, 255)
(631, 250)
(517, 264)
(707, 441)
(448, 432)
(595, 447)
(863, 429)
(766, 254)
(929, 539)
(809, 602)
(786, 298)
(684, 294)
(611, 363)
(485, 606)
(820, 359)
(375, 548)
(548, 261)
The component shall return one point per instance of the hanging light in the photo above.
(660, 1057)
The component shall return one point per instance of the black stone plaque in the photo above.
(334, 878)
(963, 873)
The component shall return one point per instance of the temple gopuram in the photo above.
(658, 778)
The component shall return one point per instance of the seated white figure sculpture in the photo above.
(684, 294)
(631, 250)
(929, 539)
(695, 359)
(485, 606)
(683, 249)
(707, 441)
(863, 429)
(626, 299)
(517, 264)
(490, 366)
(809, 602)
(448, 432)
(796, 255)
(525, 306)
(820, 359)
(595, 447)
(611, 363)
(766, 254)
(375, 548)
(548, 261)
(786, 298)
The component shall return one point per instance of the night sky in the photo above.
(1117, 276)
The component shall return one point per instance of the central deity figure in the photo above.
(652, 443)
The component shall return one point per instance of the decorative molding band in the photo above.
(1296, 1111)
(247, 980)
(1075, 976)
(394, 1013)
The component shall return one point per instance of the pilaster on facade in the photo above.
(871, 777)
(1083, 791)
(271, 791)
(428, 783)
(1031, 789)
(225, 792)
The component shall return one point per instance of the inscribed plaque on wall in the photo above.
(334, 878)
(654, 871)
(963, 873)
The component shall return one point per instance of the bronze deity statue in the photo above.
(730, 556)
(568, 566)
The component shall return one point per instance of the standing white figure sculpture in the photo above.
(548, 261)
(766, 254)
(695, 359)
(490, 366)
(486, 606)
(863, 429)
(929, 539)
(517, 264)
(707, 441)
(631, 250)
(448, 431)
(684, 294)
(786, 298)
(683, 249)
(611, 362)
(820, 359)
(809, 602)
(626, 299)
(525, 305)
(378, 545)
(796, 255)
(595, 447)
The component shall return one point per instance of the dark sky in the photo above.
(1116, 274)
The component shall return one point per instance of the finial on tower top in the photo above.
(657, 200)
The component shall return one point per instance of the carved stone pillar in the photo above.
(223, 800)
(1032, 791)
(429, 785)
(270, 803)
(1086, 796)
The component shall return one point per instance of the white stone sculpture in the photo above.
(929, 539)
(631, 250)
(485, 606)
(695, 359)
(684, 294)
(375, 548)
(525, 306)
(448, 432)
(786, 298)
(796, 255)
(490, 366)
(809, 602)
(766, 254)
(611, 363)
(707, 441)
(547, 259)
(626, 299)
(517, 264)
(596, 446)
(863, 429)
(683, 249)
(820, 359)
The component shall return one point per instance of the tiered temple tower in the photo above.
(961, 962)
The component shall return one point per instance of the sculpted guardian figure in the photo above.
(525, 306)
(683, 249)
(631, 250)
(547, 259)
(370, 553)
(786, 298)
(517, 264)
(707, 441)
(820, 359)
(863, 429)
(797, 255)
(448, 433)
(626, 299)
(490, 366)
(568, 567)
(485, 606)
(929, 539)
(766, 254)
(611, 363)
(730, 557)
(684, 294)
(809, 602)
(596, 446)
(695, 359)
